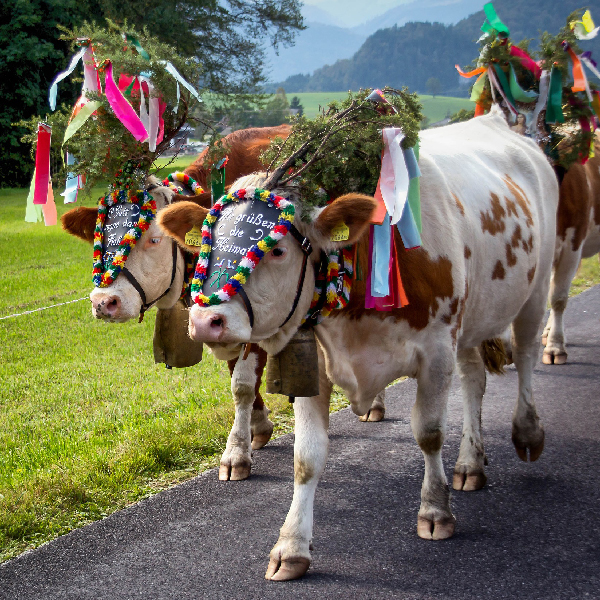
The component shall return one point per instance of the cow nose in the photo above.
(207, 328)
(107, 307)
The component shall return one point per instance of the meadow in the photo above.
(88, 423)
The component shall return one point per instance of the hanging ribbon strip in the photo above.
(584, 29)
(42, 163)
(217, 180)
(33, 212)
(554, 113)
(518, 93)
(131, 39)
(580, 83)
(49, 209)
(81, 113)
(169, 68)
(493, 22)
(122, 109)
(542, 101)
(526, 60)
(61, 76)
(500, 83)
(73, 183)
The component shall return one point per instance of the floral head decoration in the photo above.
(103, 275)
(188, 181)
(254, 253)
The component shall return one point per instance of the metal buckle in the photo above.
(306, 246)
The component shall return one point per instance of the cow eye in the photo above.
(155, 240)
(279, 251)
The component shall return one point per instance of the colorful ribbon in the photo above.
(81, 113)
(554, 113)
(42, 163)
(518, 93)
(122, 109)
(73, 183)
(526, 60)
(493, 22)
(33, 212)
(49, 209)
(54, 86)
(584, 29)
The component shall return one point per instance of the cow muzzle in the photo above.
(106, 306)
(215, 325)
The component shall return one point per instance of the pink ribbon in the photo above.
(42, 164)
(526, 61)
(49, 209)
(122, 109)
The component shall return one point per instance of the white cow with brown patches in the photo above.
(489, 202)
(577, 237)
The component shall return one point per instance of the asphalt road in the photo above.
(533, 533)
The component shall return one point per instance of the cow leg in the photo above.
(290, 557)
(469, 470)
(554, 335)
(377, 410)
(260, 425)
(435, 520)
(237, 458)
(527, 431)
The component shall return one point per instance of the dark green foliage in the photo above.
(226, 37)
(295, 105)
(462, 115)
(342, 145)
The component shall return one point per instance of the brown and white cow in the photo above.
(489, 202)
(577, 237)
(151, 264)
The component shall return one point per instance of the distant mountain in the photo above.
(411, 54)
(433, 11)
(349, 13)
(314, 47)
(314, 14)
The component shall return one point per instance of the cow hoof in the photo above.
(435, 530)
(260, 439)
(234, 472)
(287, 569)
(535, 451)
(373, 415)
(468, 482)
(550, 358)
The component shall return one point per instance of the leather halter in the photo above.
(307, 251)
(134, 282)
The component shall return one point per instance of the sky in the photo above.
(354, 12)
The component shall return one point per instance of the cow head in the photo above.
(150, 262)
(273, 286)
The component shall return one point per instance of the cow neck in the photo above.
(140, 290)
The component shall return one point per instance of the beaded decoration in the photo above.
(254, 254)
(169, 181)
(103, 276)
(337, 285)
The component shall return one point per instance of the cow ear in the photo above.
(345, 220)
(179, 219)
(80, 222)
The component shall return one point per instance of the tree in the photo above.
(433, 86)
(295, 105)
(225, 36)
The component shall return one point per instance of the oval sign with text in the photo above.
(120, 219)
(240, 226)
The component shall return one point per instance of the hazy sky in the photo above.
(355, 12)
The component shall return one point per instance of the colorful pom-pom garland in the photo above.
(103, 276)
(171, 178)
(254, 254)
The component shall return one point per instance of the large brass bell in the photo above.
(294, 371)
(171, 342)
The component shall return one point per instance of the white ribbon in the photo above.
(541, 102)
(61, 76)
(394, 174)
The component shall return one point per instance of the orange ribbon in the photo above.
(578, 76)
(477, 71)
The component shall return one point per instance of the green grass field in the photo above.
(435, 109)
(88, 422)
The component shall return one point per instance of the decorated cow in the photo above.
(488, 209)
(154, 276)
(554, 105)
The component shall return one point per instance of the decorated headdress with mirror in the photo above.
(136, 96)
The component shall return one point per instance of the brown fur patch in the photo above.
(459, 204)
(467, 252)
(511, 207)
(520, 197)
(516, 236)
(425, 281)
(499, 272)
(528, 244)
(431, 442)
(493, 220)
(80, 222)
(354, 210)
(243, 148)
(531, 274)
(461, 311)
(303, 472)
(178, 219)
(511, 257)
